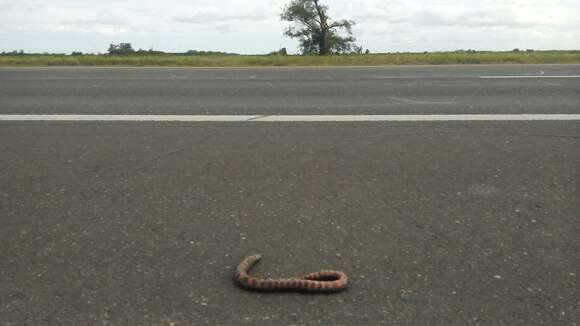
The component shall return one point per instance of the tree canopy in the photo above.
(121, 48)
(317, 33)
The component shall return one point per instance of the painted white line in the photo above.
(253, 78)
(161, 118)
(529, 77)
(141, 78)
(295, 118)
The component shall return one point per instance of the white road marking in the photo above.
(122, 117)
(283, 78)
(294, 118)
(529, 77)
(105, 78)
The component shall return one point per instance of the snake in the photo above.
(324, 281)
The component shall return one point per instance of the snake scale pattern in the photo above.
(324, 281)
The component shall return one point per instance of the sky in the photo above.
(254, 26)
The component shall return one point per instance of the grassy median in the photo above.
(182, 60)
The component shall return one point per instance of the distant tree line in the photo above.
(127, 49)
(195, 52)
(121, 49)
(281, 52)
(15, 52)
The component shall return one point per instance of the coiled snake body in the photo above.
(324, 281)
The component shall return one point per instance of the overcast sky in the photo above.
(253, 26)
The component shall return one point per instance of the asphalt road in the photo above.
(269, 91)
(440, 223)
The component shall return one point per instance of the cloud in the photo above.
(225, 28)
(483, 14)
(93, 28)
(392, 12)
(233, 12)
(211, 17)
(100, 20)
(15, 5)
(470, 18)
(505, 16)
(88, 22)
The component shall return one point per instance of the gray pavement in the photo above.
(436, 223)
(142, 223)
(268, 91)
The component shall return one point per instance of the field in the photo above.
(181, 60)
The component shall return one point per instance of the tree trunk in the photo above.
(324, 48)
(324, 44)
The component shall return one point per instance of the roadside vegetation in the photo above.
(201, 59)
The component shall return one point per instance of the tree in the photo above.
(121, 48)
(282, 52)
(317, 33)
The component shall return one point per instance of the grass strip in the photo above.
(181, 60)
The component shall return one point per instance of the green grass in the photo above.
(175, 60)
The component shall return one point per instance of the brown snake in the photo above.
(324, 281)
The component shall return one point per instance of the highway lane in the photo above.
(142, 223)
(447, 223)
(272, 91)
